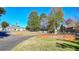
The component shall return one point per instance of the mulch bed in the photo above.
(68, 37)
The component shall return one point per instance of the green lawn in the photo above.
(39, 44)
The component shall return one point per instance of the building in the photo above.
(15, 28)
(71, 25)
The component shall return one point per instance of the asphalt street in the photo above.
(7, 43)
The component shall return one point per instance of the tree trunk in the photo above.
(55, 32)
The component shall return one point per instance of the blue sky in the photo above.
(71, 12)
(20, 14)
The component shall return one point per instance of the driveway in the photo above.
(7, 43)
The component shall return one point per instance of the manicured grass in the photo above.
(39, 44)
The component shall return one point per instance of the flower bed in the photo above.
(68, 37)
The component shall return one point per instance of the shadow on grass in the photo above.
(4, 34)
(65, 45)
(76, 48)
(77, 41)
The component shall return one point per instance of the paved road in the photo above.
(7, 43)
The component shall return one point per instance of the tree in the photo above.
(34, 22)
(51, 25)
(62, 28)
(27, 28)
(2, 11)
(55, 18)
(43, 22)
(43, 15)
(4, 24)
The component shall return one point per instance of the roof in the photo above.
(71, 24)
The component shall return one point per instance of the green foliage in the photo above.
(27, 28)
(51, 24)
(56, 18)
(43, 22)
(34, 22)
(62, 28)
(2, 11)
(43, 15)
(4, 24)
